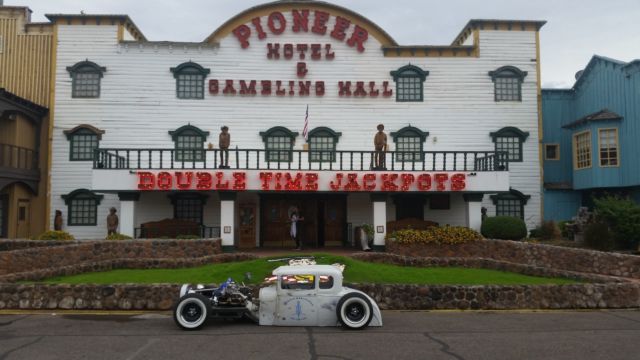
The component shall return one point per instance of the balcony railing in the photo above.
(19, 158)
(254, 159)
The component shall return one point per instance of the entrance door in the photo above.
(4, 209)
(24, 214)
(333, 229)
(247, 226)
(275, 225)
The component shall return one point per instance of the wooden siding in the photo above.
(25, 59)
(138, 104)
(605, 84)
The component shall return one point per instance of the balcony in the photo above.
(19, 164)
(299, 160)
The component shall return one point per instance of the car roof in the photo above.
(308, 269)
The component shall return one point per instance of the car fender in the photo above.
(376, 319)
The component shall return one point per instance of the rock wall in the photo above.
(388, 297)
(96, 252)
(538, 255)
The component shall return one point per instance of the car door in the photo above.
(297, 303)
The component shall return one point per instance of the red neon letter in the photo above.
(146, 180)
(424, 182)
(240, 181)
(183, 180)
(165, 181)
(205, 181)
(458, 182)
(440, 181)
(242, 32)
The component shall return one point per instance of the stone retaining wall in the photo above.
(473, 263)
(388, 297)
(10, 245)
(538, 255)
(82, 253)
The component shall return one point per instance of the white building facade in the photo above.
(136, 126)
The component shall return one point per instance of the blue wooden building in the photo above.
(591, 142)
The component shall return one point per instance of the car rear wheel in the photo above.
(191, 311)
(354, 311)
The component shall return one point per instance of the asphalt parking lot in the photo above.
(405, 335)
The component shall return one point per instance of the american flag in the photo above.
(305, 130)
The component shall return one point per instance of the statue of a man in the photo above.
(380, 143)
(112, 221)
(225, 142)
(57, 221)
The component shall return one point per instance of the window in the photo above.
(322, 144)
(189, 143)
(82, 207)
(608, 144)
(582, 150)
(552, 152)
(298, 282)
(507, 82)
(409, 83)
(190, 80)
(326, 281)
(510, 204)
(279, 143)
(83, 140)
(189, 208)
(508, 142)
(85, 79)
(409, 141)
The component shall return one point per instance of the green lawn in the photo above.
(355, 272)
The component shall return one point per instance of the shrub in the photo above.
(597, 236)
(623, 218)
(118, 236)
(188, 237)
(549, 230)
(504, 228)
(368, 229)
(55, 235)
(565, 231)
(436, 235)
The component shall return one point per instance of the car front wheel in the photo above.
(191, 311)
(354, 311)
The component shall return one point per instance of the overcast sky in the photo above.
(576, 29)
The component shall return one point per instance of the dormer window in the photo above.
(85, 79)
(409, 83)
(509, 142)
(278, 142)
(189, 143)
(83, 140)
(322, 144)
(190, 80)
(507, 83)
(409, 143)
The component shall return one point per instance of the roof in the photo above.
(99, 18)
(596, 59)
(496, 24)
(601, 115)
(307, 269)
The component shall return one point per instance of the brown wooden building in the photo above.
(25, 68)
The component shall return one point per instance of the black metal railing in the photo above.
(260, 159)
(205, 232)
(17, 157)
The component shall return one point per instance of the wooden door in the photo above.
(24, 214)
(334, 221)
(275, 225)
(247, 226)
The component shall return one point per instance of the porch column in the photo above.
(379, 220)
(227, 220)
(127, 217)
(473, 210)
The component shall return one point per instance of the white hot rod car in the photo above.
(304, 295)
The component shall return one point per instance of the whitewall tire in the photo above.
(191, 311)
(354, 311)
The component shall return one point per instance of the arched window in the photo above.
(409, 143)
(409, 83)
(83, 140)
(511, 203)
(189, 143)
(507, 83)
(322, 144)
(509, 140)
(278, 142)
(82, 205)
(85, 79)
(189, 80)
